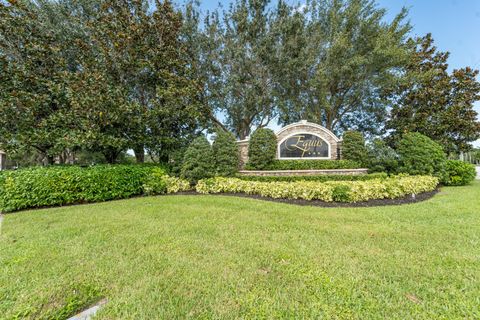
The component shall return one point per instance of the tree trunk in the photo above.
(243, 132)
(329, 121)
(50, 160)
(111, 155)
(139, 153)
(163, 159)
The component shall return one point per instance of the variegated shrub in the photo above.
(343, 191)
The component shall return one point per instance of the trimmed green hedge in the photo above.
(340, 191)
(309, 165)
(226, 154)
(318, 178)
(52, 186)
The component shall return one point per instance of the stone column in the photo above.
(243, 151)
(3, 160)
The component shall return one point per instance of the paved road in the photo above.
(478, 172)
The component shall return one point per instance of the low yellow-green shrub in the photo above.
(175, 184)
(341, 191)
(158, 182)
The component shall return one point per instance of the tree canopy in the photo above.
(345, 55)
(100, 75)
(435, 102)
(105, 76)
(234, 50)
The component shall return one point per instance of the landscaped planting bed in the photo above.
(319, 178)
(340, 191)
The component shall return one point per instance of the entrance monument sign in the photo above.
(301, 141)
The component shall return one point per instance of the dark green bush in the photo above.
(319, 178)
(309, 165)
(49, 186)
(175, 161)
(420, 155)
(225, 151)
(262, 149)
(353, 147)
(381, 158)
(341, 193)
(198, 161)
(458, 173)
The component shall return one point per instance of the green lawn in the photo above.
(224, 257)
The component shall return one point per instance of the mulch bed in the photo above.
(318, 203)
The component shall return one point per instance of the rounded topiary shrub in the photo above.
(420, 155)
(225, 151)
(198, 161)
(353, 147)
(458, 173)
(262, 149)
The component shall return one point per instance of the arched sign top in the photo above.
(301, 140)
(306, 140)
(304, 126)
(303, 145)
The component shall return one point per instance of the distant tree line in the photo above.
(105, 76)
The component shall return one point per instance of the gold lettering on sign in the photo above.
(302, 145)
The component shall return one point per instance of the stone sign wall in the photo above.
(301, 140)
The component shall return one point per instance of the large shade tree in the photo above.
(100, 75)
(33, 81)
(141, 50)
(335, 60)
(435, 102)
(234, 50)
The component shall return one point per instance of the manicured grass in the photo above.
(224, 257)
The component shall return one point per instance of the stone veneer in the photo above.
(243, 151)
(345, 172)
(294, 128)
(3, 160)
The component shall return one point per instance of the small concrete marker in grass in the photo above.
(90, 312)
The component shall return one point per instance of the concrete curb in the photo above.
(90, 312)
